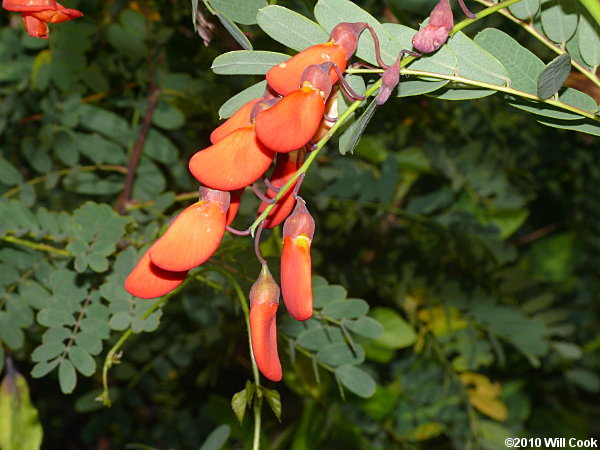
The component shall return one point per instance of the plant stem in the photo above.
(508, 90)
(36, 245)
(42, 178)
(547, 42)
(491, 9)
(113, 358)
(593, 7)
(258, 398)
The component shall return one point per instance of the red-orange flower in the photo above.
(239, 119)
(291, 123)
(264, 301)
(194, 235)
(147, 280)
(234, 162)
(285, 77)
(286, 166)
(296, 282)
(37, 13)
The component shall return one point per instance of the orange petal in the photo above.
(241, 118)
(149, 281)
(60, 14)
(236, 161)
(35, 27)
(263, 331)
(28, 5)
(284, 170)
(291, 123)
(285, 77)
(234, 205)
(191, 238)
(296, 283)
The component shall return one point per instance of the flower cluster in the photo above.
(37, 14)
(296, 110)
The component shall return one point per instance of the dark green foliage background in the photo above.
(469, 209)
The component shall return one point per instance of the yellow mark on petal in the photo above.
(283, 65)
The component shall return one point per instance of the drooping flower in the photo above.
(239, 119)
(147, 280)
(286, 77)
(294, 120)
(37, 14)
(234, 162)
(296, 282)
(194, 235)
(435, 33)
(286, 165)
(264, 301)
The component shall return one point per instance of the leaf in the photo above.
(20, 427)
(82, 361)
(9, 175)
(522, 65)
(324, 293)
(569, 96)
(105, 122)
(290, 28)
(356, 380)
(66, 376)
(340, 354)
(43, 368)
(475, 63)
(217, 438)
(559, 19)
(365, 326)
(239, 403)
(350, 137)
(243, 62)
(397, 333)
(459, 91)
(234, 31)
(167, 116)
(48, 351)
(589, 40)
(241, 98)
(317, 338)
(442, 61)
(554, 76)
(274, 401)
(347, 309)
(584, 378)
(525, 9)
(243, 12)
(414, 86)
(583, 126)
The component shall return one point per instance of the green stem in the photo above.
(113, 358)
(593, 6)
(481, 14)
(42, 178)
(591, 75)
(36, 245)
(246, 311)
(313, 154)
(506, 89)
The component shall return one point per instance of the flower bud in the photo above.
(264, 301)
(435, 34)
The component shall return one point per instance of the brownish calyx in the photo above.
(223, 198)
(300, 222)
(261, 105)
(297, 156)
(389, 80)
(318, 77)
(346, 35)
(441, 15)
(264, 289)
